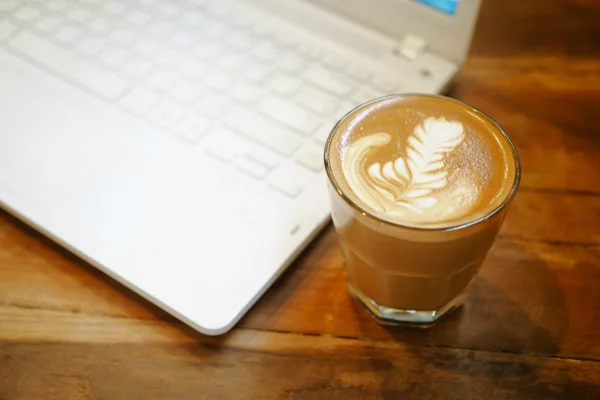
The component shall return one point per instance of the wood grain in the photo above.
(266, 365)
(556, 155)
(530, 328)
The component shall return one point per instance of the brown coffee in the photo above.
(419, 188)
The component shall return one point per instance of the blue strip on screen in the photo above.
(447, 6)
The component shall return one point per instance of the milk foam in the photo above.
(414, 187)
(421, 161)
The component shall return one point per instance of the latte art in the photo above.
(422, 161)
(410, 161)
(408, 187)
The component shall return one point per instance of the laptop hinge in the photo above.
(411, 47)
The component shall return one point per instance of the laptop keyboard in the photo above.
(249, 94)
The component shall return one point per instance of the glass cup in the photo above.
(403, 274)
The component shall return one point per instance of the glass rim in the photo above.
(370, 215)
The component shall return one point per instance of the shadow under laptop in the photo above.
(112, 299)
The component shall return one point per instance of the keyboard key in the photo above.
(91, 45)
(285, 181)
(311, 157)
(115, 7)
(100, 25)
(218, 80)
(262, 130)
(8, 5)
(113, 57)
(263, 156)
(323, 132)
(161, 80)
(208, 51)
(384, 84)
(26, 14)
(358, 74)
(79, 14)
(364, 94)
(310, 52)
(195, 69)
(65, 63)
(69, 35)
(166, 114)
(137, 68)
(139, 18)
(284, 86)
(260, 31)
(257, 73)
(139, 101)
(48, 24)
(192, 129)
(213, 105)
(147, 47)
(318, 101)
(345, 108)
(35, 3)
(252, 168)
(331, 82)
(222, 144)
(169, 58)
(284, 41)
(183, 39)
(239, 41)
(187, 92)
(215, 30)
(169, 9)
(193, 20)
(246, 94)
(6, 29)
(291, 115)
(265, 52)
(292, 64)
(219, 10)
(234, 61)
(57, 5)
(161, 28)
(241, 22)
(123, 36)
(333, 62)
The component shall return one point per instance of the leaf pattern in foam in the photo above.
(408, 182)
(427, 147)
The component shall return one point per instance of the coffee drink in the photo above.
(419, 188)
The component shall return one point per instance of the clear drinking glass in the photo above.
(403, 274)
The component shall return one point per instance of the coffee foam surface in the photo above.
(422, 161)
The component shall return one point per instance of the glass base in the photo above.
(413, 318)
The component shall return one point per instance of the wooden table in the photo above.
(530, 327)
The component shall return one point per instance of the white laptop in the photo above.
(177, 145)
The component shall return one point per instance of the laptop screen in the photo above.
(446, 6)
